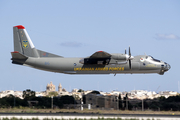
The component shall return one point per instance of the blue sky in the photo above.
(80, 28)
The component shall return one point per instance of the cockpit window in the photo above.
(155, 59)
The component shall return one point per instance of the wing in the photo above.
(100, 58)
(100, 54)
(104, 58)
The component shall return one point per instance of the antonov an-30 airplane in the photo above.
(100, 62)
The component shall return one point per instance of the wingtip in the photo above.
(20, 27)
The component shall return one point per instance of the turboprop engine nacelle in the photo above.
(118, 56)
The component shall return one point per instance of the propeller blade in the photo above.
(130, 64)
(129, 58)
(125, 51)
(129, 52)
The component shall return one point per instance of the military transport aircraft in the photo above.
(100, 62)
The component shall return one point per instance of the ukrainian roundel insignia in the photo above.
(25, 44)
(142, 59)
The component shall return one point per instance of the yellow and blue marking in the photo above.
(99, 69)
(25, 44)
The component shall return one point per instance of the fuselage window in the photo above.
(155, 59)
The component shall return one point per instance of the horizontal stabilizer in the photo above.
(17, 55)
(46, 54)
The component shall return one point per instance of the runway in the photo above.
(42, 116)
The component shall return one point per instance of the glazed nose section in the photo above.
(164, 68)
(167, 67)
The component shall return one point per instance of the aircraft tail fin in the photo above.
(24, 45)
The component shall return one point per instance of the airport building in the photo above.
(99, 101)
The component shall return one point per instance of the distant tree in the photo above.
(76, 97)
(126, 103)
(173, 98)
(154, 105)
(146, 105)
(67, 99)
(43, 102)
(84, 99)
(54, 94)
(80, 90)
(162, 98)
(10, 101)
(120, 102)
(28, 94)
(95, 92)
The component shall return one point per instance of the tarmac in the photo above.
(42, 116)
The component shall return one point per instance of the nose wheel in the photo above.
(161, 72)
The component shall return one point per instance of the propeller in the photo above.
(129, 57)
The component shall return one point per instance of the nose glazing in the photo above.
(167, 66)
